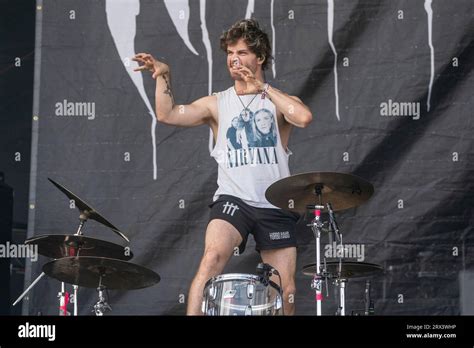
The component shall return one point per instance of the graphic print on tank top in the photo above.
(252, 138)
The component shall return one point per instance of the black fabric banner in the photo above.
(390, 87)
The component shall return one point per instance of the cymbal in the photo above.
(57, 246)
(342, 190)
(87, 212)
(91, 271)
(349, 269)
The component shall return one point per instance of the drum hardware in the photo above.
(101, 273)
(369, 308)
(369, 304)
(250, 290)
(63, 301)
(342, 190)
(341, 284)
(345, 269)
(101, 306)
(266, 271)
(85, 261)
(93, 272)
(316, 226)
(87, 212)
(56, 246)
(340, 272)
(248, 310)
(317, 192)
(241, 294)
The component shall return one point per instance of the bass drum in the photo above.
(241, 294)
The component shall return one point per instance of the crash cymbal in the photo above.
(295, 192)
(90, 271)
(87, 212)
(57, 246)
(349, 269)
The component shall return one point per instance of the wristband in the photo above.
(265, 90)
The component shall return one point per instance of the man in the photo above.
(239, 206)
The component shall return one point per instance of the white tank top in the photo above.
(248, 150)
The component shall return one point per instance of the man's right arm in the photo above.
(194, 114)
(197, 113)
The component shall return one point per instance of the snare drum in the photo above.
(241, 294)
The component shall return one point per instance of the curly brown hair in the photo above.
(255, 38)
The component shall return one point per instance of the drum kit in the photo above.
(88, 262)
(309, 194)
(93, 263)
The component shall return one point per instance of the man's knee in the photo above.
(289, 292)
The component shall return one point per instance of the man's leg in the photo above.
(221, 239)
(284, 260)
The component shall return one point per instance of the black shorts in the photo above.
(271, 228)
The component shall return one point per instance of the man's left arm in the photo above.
(292, 108)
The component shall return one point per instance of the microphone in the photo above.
(333, 222)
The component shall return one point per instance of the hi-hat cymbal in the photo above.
(57, 246)
(87, 212)
(349, 269)
(295, 192)
(90, 272)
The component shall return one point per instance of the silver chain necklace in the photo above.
(246, 107)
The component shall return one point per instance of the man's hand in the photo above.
(253, 85)
(149, 63)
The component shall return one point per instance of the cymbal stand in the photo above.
(316, 226)
(83, 217)
(64, 297)
(339, 282)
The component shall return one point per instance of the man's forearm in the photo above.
(164, 100)
(294, 111)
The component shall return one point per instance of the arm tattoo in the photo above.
(168, 89)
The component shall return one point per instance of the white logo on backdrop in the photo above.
(179, 13)
(333, 48)
(121, 18)
(429, 13)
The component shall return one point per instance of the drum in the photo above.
(241, 294)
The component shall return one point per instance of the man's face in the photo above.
(241, 53)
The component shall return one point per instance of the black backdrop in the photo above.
(154, 181)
